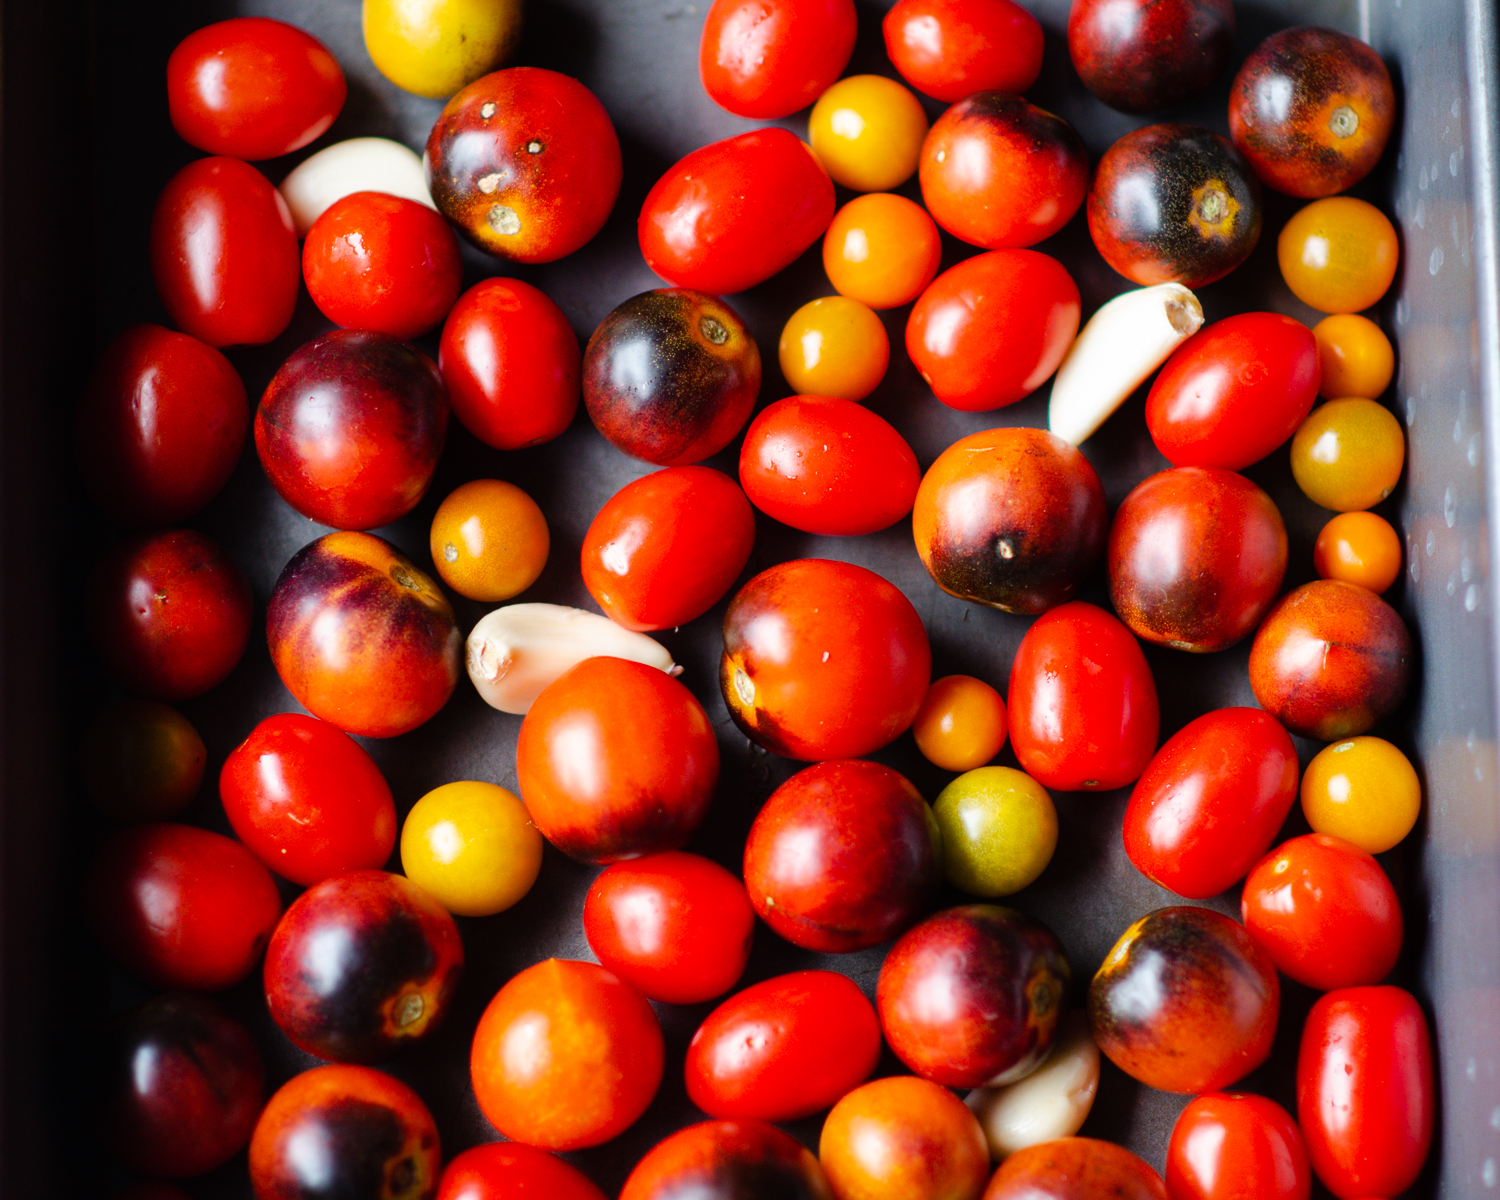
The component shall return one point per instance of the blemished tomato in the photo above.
(565, 1056)
(1226, 1146)
(828, 466)
(733, 213)
(881, 250)
(224, 253)
(489, 540)
(1348, 454)
(1357, 357)
(666, 547)
(1210, 801)
(472, 847)
(513, 1171)
(1363, 790)
(867, 131)
(1234, 391)
(771, 58)
(1082, 703)
(961, 724)
(1359, 547)
(675, 926)
(950, 49)
(436, 47)
(1365, 1090)
(835, 346)
(783, 1048)
(307, 800)
(1338, 255)
(252, 88)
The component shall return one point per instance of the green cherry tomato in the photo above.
(999, 830)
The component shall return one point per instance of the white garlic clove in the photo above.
(365, 164)
(1051, 1102)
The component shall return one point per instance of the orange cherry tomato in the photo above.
(834, 347)
(881, 250)
(1348, 454)
(1359, 547)
(1338, 255)
(961, 724)
(1357, 357)
(489, 540)
(867, 130)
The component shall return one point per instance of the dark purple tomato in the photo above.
(1142, 56)
(360, 965)
(1174, 204)
(728, 1160)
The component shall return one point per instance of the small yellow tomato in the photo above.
(1363, 790)
(867, 131)
(489, 540)
(436, 47)
(1348, 454)
(472, 847)
(881, 250)
(1357, 357)
(998, 830)
(1338, 255)
(961, 724)
(1360, 548)
(834, 347)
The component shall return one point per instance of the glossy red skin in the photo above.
(386, 1140)
(999, 172)
(727, 1160)
(1082, 702)
(183, 1084)
(1365, 1091)
(510, 361)
(950, 49)
(1234, 391)
(1237, 1147)
(361, 966)
(559, 194)
(828, 466)
(1186, 1001)
(350, 428)
(307, 800)
(224, 253)
(169, 613)
(992, 329)
(616, 760)
(513, 1171)
(973, 996)
(770, 58)
(823, 660)
(1329, 917)
(783, 1049)
(1331, 660)
(160, 427)
(1142, 56)
(844, 855)
(1196, 557)
(666, 547)
(361, 637)
(1210, 802)
(382, 263)
(1075, 1168)
(675, 926)
(180, 907)
(733, 213)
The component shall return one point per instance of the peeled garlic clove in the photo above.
(1123, 343)
(1051, 1102)
(366, 164)
(516, 651)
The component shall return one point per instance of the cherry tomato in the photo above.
(881, 250)
(771, 58)
(307, 800)
(867, 131)
(1359, 547)
(961, 724)
(1143, 56)
(251, 88)
(489, 540)
(675, 926)
(224, 253)
(1348, 454)
(1082, 703)
(998, 829)
(510, 1170)
(1210, 801)
(733, 213)
(1357, 357)
(726, 1160)
(783, 1049)
(1364, 791)
(472, 847)
(141, 760)
(436, 47)
(1365, 1091)
(1338, 255)
(1075, 1168)
(666, 547)
(950, 49)
(1234, 1145)
(834, 347)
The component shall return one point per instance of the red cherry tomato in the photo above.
(1365, 1091)
(1234, 391)
(829, 466)
(307, 800)
(252, 88)
(1082, 703)
(1208, 805)
(953, 48)
(674, 925)
(784, 1048)
(1226, 1146)
(732, 214)
(666, 547)
(512, 1171)
(992, 329)
(224, 253)
(771, 58)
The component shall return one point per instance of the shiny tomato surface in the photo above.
(1237, 1146)
(1143, 56)
(770, 58)
(950, 49)
(1075, 1168)
(513, 1171)
(728, 1160)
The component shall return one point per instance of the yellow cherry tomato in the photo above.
(1348, 454)
(867, 131)
(834, 347)
(998, 830)
(881, 250)
(436, 47)
(472, 846)
(961, 724)
(1338, 255)
(1360, 548)
(1363, 790)
(489, 540)
(1357, 357)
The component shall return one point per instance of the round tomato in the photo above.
(1348, 455)
(961, 724)
(1358, 359)
(950, 49)
(1339, 254)
(882, 250)
(1359, 547)
(510, 1170)
(717, 1160)
(435, 47)
(1075, 1168)
(1082, 704)
(771, 58)
(867, 130)
(1228, 1146)
(834, 346)
(1363, 790)
(489, 540)
(472, 847)
(1143, 56)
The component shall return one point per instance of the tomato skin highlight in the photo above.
(950, 49)
(1232, 1146)
(770, 58)
(507, 1170)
